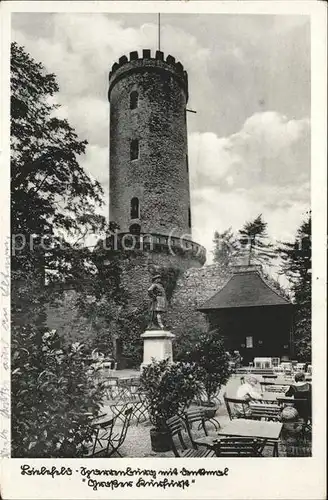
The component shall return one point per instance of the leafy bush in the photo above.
(211, 360)
(51, 394)
(169, 389)
(185, 343)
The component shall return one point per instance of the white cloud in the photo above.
(256, 170)
(233, 64)
(95, 162)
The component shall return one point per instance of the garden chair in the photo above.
(197, 416)
(103, 430)
(114, 440)
(141, 412)
(269, 387)
(175, 427)
(298, 451)
(265, 410)
(239, 447)
(126, 389)
(117, 440)
(242, 406)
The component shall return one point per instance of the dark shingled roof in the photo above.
(246, 289)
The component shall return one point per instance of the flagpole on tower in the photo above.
(159, 32)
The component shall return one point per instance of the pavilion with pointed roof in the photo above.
(251, 316)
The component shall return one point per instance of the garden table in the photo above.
(287, 400)
(270, 377)
(268, 431)
(271, 396)
(279, 381)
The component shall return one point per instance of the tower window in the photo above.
(189, 217)
(187, 163)
(134, 149)
(134, 212)
(134, 99)
(249, 342)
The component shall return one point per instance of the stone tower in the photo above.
(149, 178)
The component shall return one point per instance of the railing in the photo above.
(155, 242)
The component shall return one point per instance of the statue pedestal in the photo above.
(157, 345)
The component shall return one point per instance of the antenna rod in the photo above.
(159, 32)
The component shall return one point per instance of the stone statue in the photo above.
(158, 303)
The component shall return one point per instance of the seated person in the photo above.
(301, 390)
(250, 390)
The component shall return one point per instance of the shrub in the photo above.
(211, 360)
(169, 389)
(51, 394)
(185, 343)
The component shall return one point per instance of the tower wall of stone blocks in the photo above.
(149, 178)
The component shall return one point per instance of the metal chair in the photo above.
(103, 429)
(113, 440)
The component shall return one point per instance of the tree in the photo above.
(53, 200)
(297, 266)
(254, 242)
(225, 247)
(211, 361)
(53, 205)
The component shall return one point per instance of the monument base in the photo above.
(157, 345)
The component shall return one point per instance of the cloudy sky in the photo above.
(249, 81)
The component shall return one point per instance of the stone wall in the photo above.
(138, 271)
(193, 288)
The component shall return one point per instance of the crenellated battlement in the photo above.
(136, 63)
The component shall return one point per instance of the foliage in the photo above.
(51, 394)
(53, 206)
(297, 266)
(225, 247)
(132, 323)
(211, 360)
(250, 243)
(53, 200)
(170, 276)
(275, 285)
(186, 341)
(254, 242)
(169, 389)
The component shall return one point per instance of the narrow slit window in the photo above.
(249, 342)
(134, 97)
(189, 217)
(134, 149)
(134, 208)
(187, 163)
